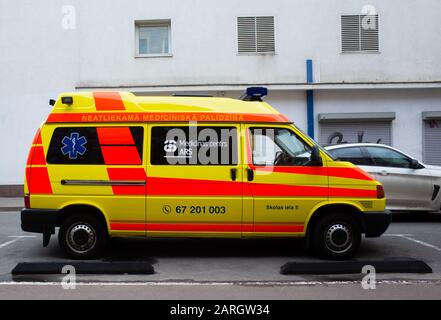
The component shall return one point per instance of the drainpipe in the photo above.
(310, 99)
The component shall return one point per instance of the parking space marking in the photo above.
(422, 243)
(16, 238)
(409, 237)
(7, 243)
(21, 237)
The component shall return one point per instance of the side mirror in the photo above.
(414, 164)
(316, 159)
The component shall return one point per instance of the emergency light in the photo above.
(67, 100)
(255, 94)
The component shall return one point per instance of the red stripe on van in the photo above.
(352, 193)
(127, 174)
(183, 187)
(37, 137)
(37, 157)
(108, 101)
(195, 187)
(124, 155)
(128, 226)
(280, 190)
(120, 135)
(348, 173)
(30, 155)
(278, 228)
(206, 227)
(38, 180)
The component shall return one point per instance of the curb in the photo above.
(10, 209)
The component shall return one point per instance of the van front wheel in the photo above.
(336, 236)
(82, 237)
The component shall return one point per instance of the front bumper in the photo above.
(375, 223)
(39, 221)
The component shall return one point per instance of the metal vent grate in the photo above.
(360, 33)
(256, 34)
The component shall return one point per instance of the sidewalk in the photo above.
(11, 204)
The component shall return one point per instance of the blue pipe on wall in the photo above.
(310, 99)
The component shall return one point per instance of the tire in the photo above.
(336, 236)
(82, 237)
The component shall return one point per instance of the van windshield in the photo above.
(278, 146)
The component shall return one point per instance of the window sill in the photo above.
(165, 55)
(360, 52)
(257, 54)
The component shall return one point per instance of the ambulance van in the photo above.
(112, 164)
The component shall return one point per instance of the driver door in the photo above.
(282, 183)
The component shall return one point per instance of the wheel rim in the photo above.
(81, 238)
(338, 238)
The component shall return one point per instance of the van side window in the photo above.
(96, 145)
(201, 145)
(278, 147)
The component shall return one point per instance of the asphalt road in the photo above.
(225, 269)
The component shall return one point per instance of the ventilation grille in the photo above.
(360, 33)
(255, 34)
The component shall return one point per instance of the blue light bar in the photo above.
(257, 92)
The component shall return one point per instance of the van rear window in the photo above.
(96, 145)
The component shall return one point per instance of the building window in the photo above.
(255, 35)
(153, 38)
(360, 33)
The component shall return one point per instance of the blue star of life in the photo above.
(73, 145)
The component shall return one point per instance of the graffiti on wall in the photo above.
(338, 138)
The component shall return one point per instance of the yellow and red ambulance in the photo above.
(110, 164)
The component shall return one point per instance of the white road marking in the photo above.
(225, 283)
(16, 238)
(20, 237)
(409, 237)
(422, 243)
(7, 243)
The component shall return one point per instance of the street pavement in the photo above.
(224, 269)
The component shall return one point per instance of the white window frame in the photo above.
(359, 51)
(152, 23)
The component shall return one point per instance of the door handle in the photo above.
(384, 173)
(250, 174)
(233, 174)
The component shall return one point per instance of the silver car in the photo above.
(408, 183)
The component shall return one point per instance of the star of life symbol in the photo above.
(73, 145)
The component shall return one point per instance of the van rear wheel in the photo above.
(336, 236)
(82, 237)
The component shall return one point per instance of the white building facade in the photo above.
(343, 71)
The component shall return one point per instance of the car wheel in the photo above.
(336, 236)
(82, 237)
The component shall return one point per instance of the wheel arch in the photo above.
(325, 208)
(83, 208)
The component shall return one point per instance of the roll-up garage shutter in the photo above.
(353, 128)
(432, 137)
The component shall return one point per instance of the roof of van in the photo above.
(126, 107)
